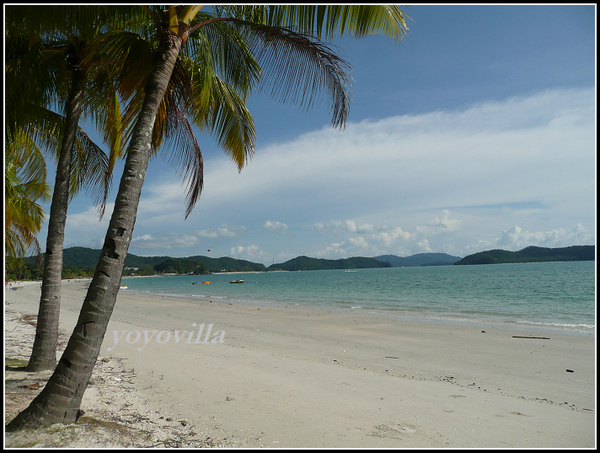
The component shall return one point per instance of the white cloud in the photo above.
(424, 247)
(85, 228)
(365, 239)
(230, 231)
(390, 238)
(444, 223)
(338, 227)
(90, 218)
(334, 251)
(184, 241)
(483, 155)
(516, 238)
(359, 242)
(250, 253)
(164, 242)
(276, 227)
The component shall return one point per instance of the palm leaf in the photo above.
(90, 170)
(296, 68)
(326, 21)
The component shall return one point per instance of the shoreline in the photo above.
(483, 321)
(370, 312)
(290, 377)
(568, 329)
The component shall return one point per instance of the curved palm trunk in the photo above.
(43, 356)
(60, 400)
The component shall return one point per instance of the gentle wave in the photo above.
(536, 295)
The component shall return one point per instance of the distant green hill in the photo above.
(420, 259)
(228, 264)
(304, 263)
(87, 258)
(532, 254)
(180, 266)
(84, 257)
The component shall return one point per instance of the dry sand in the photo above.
(291, 377)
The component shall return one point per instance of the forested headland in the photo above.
(532, 254)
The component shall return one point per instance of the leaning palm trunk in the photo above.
(43, 356)
(60, 400)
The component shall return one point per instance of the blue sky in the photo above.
(476, 132)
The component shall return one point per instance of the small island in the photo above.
(532, 254)
(304, 263)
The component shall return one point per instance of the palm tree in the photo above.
(240, 30)
(42, 39)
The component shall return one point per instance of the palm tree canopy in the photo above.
(228, 54)
(46, 46)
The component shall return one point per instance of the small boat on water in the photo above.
(123, 287)
(236, 281)
(201, 283)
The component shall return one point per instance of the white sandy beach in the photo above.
(290, 377)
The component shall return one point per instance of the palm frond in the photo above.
(90, 170)
(224, 49)
(185, 155)
(24, 185)
(230, 123)
(25, 168)
(294, 67)
(326, 21)
(297, 68)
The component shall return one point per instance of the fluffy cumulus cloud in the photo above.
(516, 238)
(370, 239)
(441, 223)
(276, 227)
(335, 250)
(344, 226)
(250, 253)
(440, 234)
(230, 231)
(391, 237)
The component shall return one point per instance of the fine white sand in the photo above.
(292, 377)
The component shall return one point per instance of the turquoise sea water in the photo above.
(535, 295)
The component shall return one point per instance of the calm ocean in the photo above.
(542, 296)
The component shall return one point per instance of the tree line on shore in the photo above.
(80, 262)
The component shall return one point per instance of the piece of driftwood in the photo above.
(533, 338)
